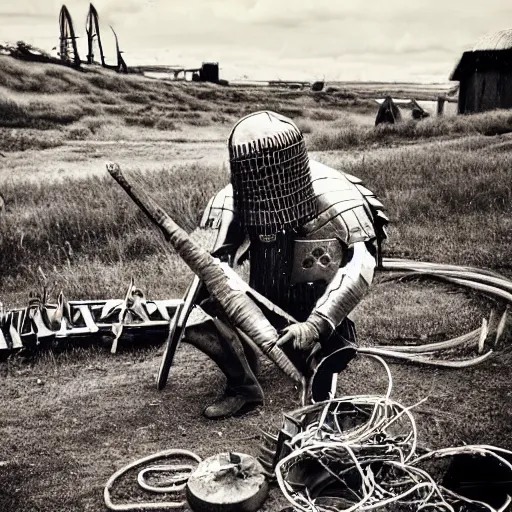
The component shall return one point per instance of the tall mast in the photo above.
(68, 49)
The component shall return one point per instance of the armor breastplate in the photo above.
(316, 260)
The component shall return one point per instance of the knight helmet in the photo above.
(272, 187)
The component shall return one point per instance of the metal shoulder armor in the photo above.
(346, 208)
(221, 202)
(218, 215)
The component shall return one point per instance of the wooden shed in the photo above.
(485, 74)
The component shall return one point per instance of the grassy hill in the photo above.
(45, 105)
(69, 420)
(58, 103)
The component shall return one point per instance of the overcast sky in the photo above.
(389, 40)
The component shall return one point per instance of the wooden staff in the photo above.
(220, 280)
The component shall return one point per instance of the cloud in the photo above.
(371, 38)
(24, 15)
(120, 9)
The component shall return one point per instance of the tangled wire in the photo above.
(361, 453)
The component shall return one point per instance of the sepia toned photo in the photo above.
(255, 256)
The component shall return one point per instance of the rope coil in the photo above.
(175, 485)
(376, 463)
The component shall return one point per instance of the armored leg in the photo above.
(337, 352)
(219, 342)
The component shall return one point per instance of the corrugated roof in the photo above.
(501, 40)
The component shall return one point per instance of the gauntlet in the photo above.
(345, 291)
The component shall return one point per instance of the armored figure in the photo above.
(310, 237)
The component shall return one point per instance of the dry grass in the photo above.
(54, 225)
(489, 124)
(21, 140)
(449, 201)
(446, 204)
(82, 104)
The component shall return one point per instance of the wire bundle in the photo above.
(361, 453)
(495, 286)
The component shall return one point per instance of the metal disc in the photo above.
(227, 482)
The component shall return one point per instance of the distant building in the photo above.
(485, 74)
(209, 72)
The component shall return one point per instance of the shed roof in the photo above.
(501, 40)
(493, 51)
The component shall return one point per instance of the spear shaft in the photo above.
(224, 285)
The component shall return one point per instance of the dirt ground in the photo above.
(70, 420)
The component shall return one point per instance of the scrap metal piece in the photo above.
(121, 64)
(267, 451)
(388, 112)
(316, 260)
(173, 339)
(3, 342)
(94, 38)
(14, 335)
(501, 326)
(227, 482)
(483, 336)
(267, 436)
(93, 34)
(417, 111)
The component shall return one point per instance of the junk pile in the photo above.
(362, 453)
(348, 453)
(43, 324)
(393, 111)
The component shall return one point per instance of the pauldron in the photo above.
(221, 203)
(345, 208)
(219, 214)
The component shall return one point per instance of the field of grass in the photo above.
(69, 420)
(352, 137)
(97, 104)
(446, 204)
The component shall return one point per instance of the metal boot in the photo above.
(220, 343)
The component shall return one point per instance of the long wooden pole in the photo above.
(220, 280)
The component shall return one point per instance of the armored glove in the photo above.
(306, 334)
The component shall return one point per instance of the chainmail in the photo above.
(272, 188)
